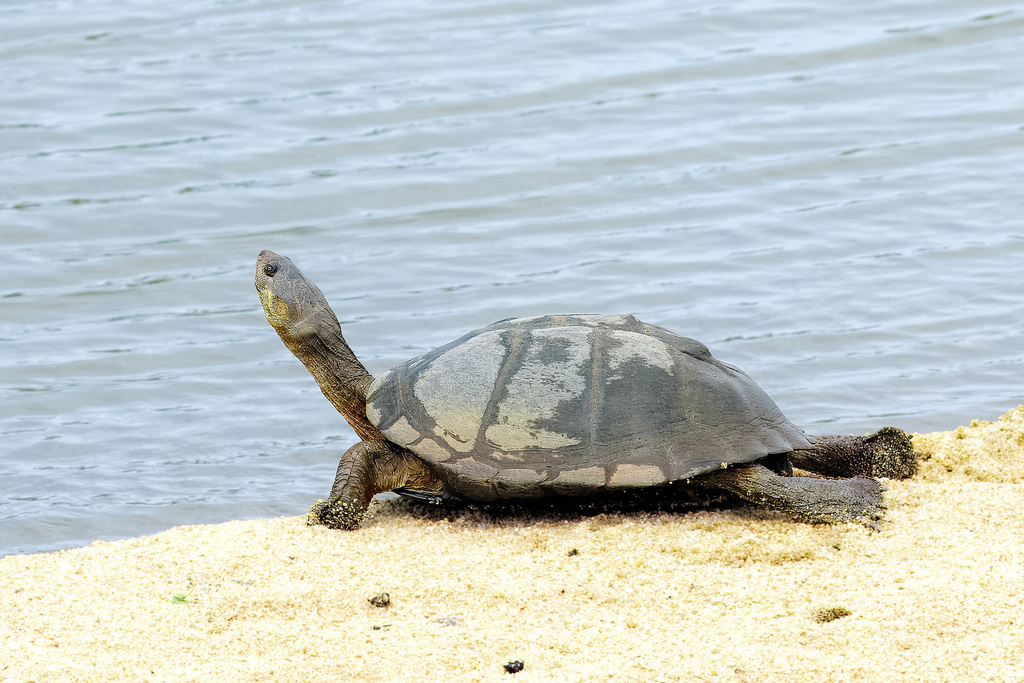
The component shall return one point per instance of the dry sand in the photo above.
(737, 595)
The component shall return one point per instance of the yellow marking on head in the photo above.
(274, 307)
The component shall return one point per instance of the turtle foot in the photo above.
(890, 453)
(858, 499)
(335, 515)
(887, 453)
(810, 499)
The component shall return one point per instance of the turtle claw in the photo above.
(335, 515)
(891, 453)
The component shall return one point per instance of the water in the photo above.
(828, 195)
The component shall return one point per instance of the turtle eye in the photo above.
(270, 269)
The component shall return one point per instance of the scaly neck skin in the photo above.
(341, 376)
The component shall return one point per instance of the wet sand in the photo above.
(712, 595)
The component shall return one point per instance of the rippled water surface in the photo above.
(827, 194)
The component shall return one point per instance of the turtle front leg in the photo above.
(366, 469)
(352, 491)
(812, 500)
(886, 453)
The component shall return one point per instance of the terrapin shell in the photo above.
(569, 404)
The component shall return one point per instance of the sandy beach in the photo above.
(724, 595)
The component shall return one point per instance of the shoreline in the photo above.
(731, 595)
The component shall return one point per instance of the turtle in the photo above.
(560, 407)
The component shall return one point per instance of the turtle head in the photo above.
(294, 305)
(306, 324)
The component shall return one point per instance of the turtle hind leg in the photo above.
(809, 499)
(366, 469)
(886, 453)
